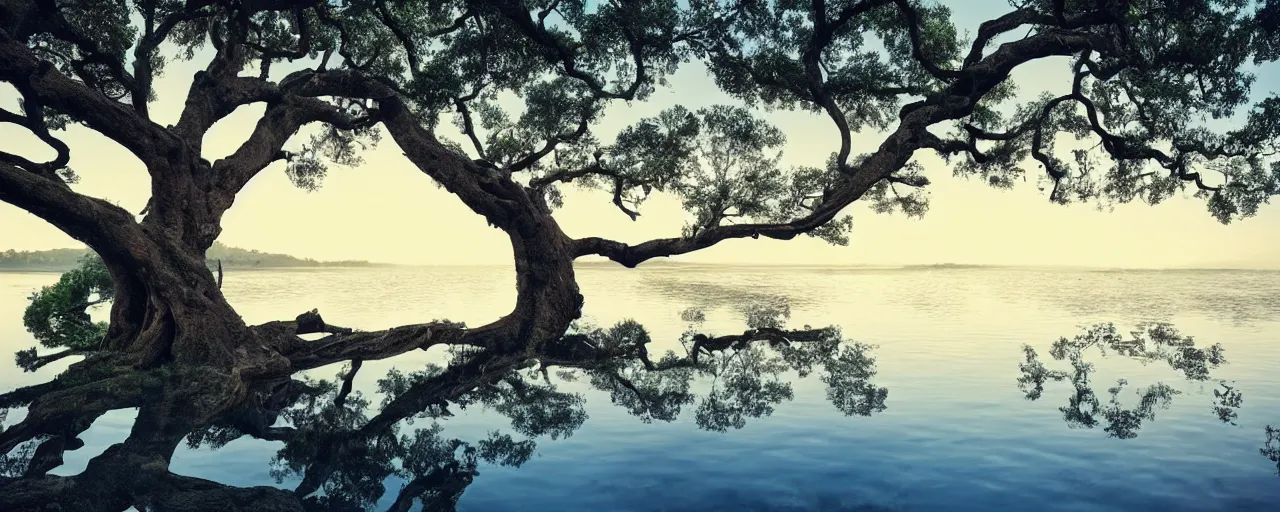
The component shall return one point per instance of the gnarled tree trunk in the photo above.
(168, 308)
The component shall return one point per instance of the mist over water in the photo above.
(957, 433)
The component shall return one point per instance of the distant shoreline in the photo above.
(226, 268)
(236, 260)
(231, 258)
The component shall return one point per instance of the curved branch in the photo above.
(347, 345)
(281, 120)
(469, 128)
(990, 29)
(955, 102)
(35, 122)
(103, 226)
(618, 183)
(148, 141)
(516, 12)
(151, 39)
(529, 160)
(823, 34)
(917, 51)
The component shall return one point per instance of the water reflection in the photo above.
(1239, 297)
(1151, 343)
(1155, 343)
(1271, 448)
(342, 448)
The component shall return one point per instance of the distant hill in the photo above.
(231, 257)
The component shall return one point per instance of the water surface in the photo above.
(956, 434)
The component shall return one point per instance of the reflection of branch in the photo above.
(346, 383)
(1271, 447)
(446, 484)
(337, 449)
(775, 337)
(1153, 342)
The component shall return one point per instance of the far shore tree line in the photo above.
(62, 260)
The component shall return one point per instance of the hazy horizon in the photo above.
(677, 261)
(387, 211)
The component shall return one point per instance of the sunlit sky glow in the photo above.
(388, 211)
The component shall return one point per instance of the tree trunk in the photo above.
(168, 308)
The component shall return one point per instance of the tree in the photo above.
(343, 455)
(59, 314)
(1144, 76)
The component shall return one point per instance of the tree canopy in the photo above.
(1145, 77)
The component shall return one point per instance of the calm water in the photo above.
(957, 433)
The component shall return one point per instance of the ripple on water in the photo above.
(957, 434)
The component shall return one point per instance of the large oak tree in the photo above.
(1145, 75)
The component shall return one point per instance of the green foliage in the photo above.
(58, 316)
(308, 168)
(529, 82)
(1183, 65)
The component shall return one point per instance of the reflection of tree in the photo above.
(342, 446)
(343, 456)
(1152, 343)
(1271, 447)
(746, 378)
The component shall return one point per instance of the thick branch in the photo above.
(955, 102)
(144, 139)
(151, 39)
(29, 361)
(369, 345)
(280, 121)
(105, 227)
(516, 12)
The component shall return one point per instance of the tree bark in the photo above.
(547, 298)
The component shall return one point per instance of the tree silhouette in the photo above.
(1144, 74)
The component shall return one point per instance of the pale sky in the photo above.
(388, 211)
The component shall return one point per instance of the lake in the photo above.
(956, 431)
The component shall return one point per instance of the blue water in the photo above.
(957, 433)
